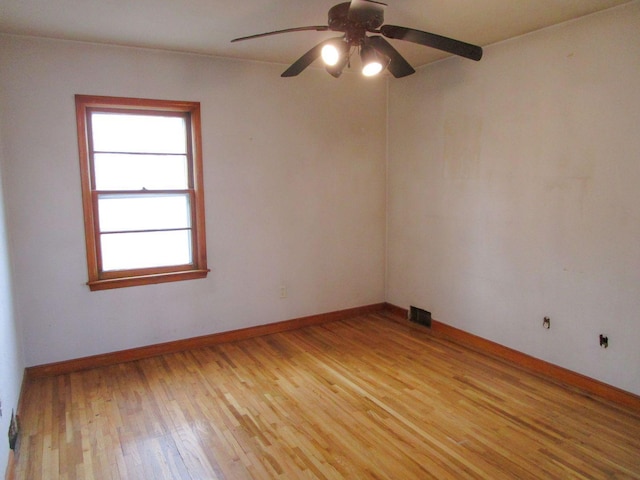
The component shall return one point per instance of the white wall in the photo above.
(11, 357)
(514, 194)
(294, 189)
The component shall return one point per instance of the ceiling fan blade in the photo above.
(432, 40)
(305, 60)
(363, 10)
(398, 66)
(317, 28)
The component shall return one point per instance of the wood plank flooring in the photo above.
(371, 397)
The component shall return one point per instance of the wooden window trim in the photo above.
(99, 280)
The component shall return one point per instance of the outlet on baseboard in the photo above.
(14, 429)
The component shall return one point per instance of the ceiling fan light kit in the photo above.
(372, 62)
(355, 19)
(335, 54)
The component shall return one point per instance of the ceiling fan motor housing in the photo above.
(354, 23)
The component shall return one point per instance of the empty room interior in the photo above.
(433, 272)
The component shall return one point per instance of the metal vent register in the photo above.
(418, 315)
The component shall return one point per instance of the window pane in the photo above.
(122, 251)
(125, 132)
(119, 213)
(135, 172)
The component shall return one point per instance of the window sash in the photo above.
(188, 226)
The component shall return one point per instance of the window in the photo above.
(142, 190)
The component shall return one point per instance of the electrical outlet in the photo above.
(604, 341)
(283, 291)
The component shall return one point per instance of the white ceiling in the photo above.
(207, 26)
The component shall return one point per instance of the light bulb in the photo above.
(371, 69)
(330, 54)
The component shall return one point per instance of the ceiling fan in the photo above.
(355, 19)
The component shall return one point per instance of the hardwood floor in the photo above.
(371, 397)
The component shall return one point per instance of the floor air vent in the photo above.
(418, 315)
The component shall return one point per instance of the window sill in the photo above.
(121, 282)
